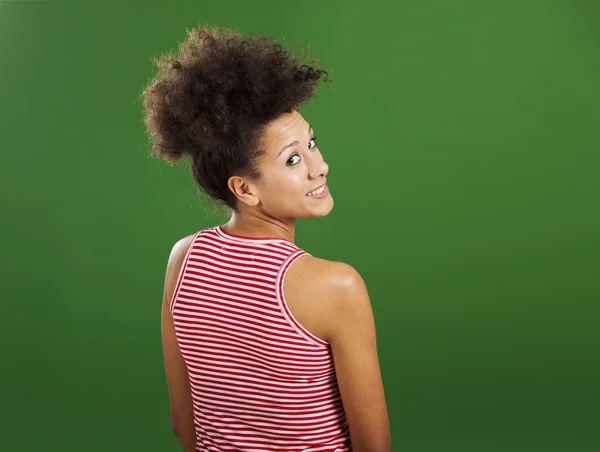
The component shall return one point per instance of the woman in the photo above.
(267, 348)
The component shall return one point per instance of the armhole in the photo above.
(181, 272)
(285, 310)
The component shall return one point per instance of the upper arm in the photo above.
(175, 367)
(351, 333)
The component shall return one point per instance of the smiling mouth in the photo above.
(317, 192)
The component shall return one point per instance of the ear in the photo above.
(243, 190)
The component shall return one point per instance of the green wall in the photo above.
(463, 141)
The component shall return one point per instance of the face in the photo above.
(293, 172)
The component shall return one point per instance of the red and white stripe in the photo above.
(259, 380)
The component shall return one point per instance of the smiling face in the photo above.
(293, 173)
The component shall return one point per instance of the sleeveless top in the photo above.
(259, 380)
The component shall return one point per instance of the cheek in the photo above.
(293, 185)
(284, 187)
(285, 181)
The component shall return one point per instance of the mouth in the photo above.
(317, 192)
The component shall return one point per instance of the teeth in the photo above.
(317, 192)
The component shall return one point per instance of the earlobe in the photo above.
(249, 199)
(252, 201)
(248, 196)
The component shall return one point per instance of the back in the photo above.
(259, 380)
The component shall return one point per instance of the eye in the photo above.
(292, 158)
(314, 141)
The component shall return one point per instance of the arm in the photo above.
(351, 333)
(182, 414)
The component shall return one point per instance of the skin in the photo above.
(270, 205)
(328, 298)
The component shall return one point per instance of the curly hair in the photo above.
(213, 100)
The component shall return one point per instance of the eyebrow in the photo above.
(292, 143)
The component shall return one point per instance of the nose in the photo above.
(318, 168)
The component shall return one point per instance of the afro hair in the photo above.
(213, 99)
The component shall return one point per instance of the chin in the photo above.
(322, 210)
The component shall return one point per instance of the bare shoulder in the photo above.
(333, 274)
(317, 290)
(174, 264)
(178, 253)
(181, 246)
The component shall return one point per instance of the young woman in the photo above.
(267, 348)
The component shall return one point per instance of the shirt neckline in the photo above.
(243, 238)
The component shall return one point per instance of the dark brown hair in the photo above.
(212, 100)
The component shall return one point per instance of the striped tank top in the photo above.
(259, 380)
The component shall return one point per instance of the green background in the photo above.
(463, 141)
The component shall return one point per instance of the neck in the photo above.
(259, 225)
